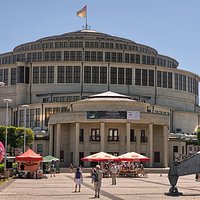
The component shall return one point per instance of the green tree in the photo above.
(15, 137)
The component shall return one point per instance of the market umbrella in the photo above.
(50, 158)
(132, 156)
(97, 157)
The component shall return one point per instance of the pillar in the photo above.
(151, 145)
(165, 146)
(76, 146)
(58, 132)
(128, 143)
(50, 139)
(102, 134)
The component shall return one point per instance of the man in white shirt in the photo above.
(114, 171)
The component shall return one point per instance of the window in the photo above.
(165, 79)
(137, 76)
(143, 138)
(158, 78)
(113, 75)
(50, 74)
(81, 135)
(68, 74)
(103, 75)
(87, 55)
(137, 58)
(156, 156)
(37, 124)
(113, 135)
(144, 77)
(176, 81)
(61, 74)
(95, 135)
(128, 76)
(151, 78)
(95, 74)
(132, 135)
(100, 56)
(32, 118)
(13, 76)
(87, 74)
(120, 75)
(169, 80)
(48, 112)
(40, 149)
(43, 74)
(77, 74)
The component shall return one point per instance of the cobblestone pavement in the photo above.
(62, 187)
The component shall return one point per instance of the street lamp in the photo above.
(25, 107)
(6, 137)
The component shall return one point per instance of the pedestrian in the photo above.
(71, 167)
(78, 178)
(114, 171)
(97, 181)
(52, 169)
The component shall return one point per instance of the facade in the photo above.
(55, 74)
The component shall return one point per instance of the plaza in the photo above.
(62, 187)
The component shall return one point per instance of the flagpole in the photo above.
(86, 26)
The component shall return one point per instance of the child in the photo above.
(78, 178)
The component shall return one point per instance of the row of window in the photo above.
(99, 75)
(96, 56)
(86, 44)
(113, 135)
(33, 116)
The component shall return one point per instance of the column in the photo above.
(51, 140)
(151, 145)
(102, 133)
(76, 147)
(138, 142)
(58, 140)
(128, 143)
(165, 146)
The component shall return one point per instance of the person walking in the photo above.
(114, 171)
(52, 169)
(97, 181)
(78, 178)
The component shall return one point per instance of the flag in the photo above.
(82, 12)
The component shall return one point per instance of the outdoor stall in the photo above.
(29, 164)
(131, 164)
(101, 157)
(47, 160)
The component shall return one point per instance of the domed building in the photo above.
(58, 79)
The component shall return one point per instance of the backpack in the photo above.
(95, 177)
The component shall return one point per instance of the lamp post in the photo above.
(25, 107)
(6, 137)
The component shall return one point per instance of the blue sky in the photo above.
(171, 27)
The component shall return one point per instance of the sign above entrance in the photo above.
(132, 115)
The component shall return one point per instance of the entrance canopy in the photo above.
(97, 157)
(132, 157)
(29, 156)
